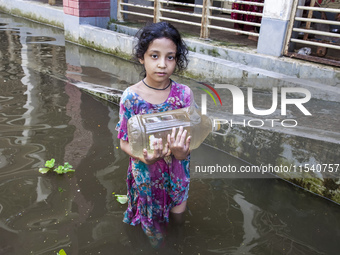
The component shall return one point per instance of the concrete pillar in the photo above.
(276, 15)
(113, 9)
(78, 12)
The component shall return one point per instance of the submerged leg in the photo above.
(179, 208)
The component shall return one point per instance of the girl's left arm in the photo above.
(179, 145)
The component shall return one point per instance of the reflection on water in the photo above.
(42, 117)
(250, 232)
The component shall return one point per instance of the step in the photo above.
(217, 70)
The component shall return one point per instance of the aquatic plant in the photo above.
(61, 252)
(49, 165)
(121, 198)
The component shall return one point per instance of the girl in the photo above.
(158, 183)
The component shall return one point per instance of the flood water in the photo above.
(42, 116)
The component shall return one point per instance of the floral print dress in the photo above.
(153, 189)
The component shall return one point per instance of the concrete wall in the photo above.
(43, 13)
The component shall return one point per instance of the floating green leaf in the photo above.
(64, 169)
(50, 163)
(44, 170)
(62, 252)
(59, 170)
(67, 166)
(122, 199)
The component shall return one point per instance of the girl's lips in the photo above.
(160, 74)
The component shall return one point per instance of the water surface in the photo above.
(43, 116)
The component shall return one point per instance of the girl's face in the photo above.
(159, 61)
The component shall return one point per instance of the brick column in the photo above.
(276, 15)
(77, 12)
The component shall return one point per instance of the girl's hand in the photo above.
(179, 146)
(158, 153)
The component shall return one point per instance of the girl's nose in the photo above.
(161, 63)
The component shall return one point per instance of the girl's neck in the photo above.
(157, 88)
(151, 96)
(156, 85)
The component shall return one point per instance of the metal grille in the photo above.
(195, 15)
(317, 27)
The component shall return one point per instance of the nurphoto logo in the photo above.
(238, 100)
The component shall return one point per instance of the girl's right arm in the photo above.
(159, 152)
(124, 145)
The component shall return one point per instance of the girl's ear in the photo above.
(141, 61)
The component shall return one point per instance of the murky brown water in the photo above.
(42, 117)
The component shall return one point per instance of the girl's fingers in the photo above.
(183, 136)
(160, 144)
(168, 153)
(166, 147)
(179, 134)
(188, 142)
(145, 153)
(161, 148)
(173, 134)
(155, 145)
(166, 150)
(179, 145)
(168, 139)
(158, 148)
(159, 151)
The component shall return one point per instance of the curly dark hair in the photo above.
(162, 29)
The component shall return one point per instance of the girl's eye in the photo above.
(154, 56)
(171, 57)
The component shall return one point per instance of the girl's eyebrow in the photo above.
(156, 51)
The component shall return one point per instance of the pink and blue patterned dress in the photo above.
(154, 189)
